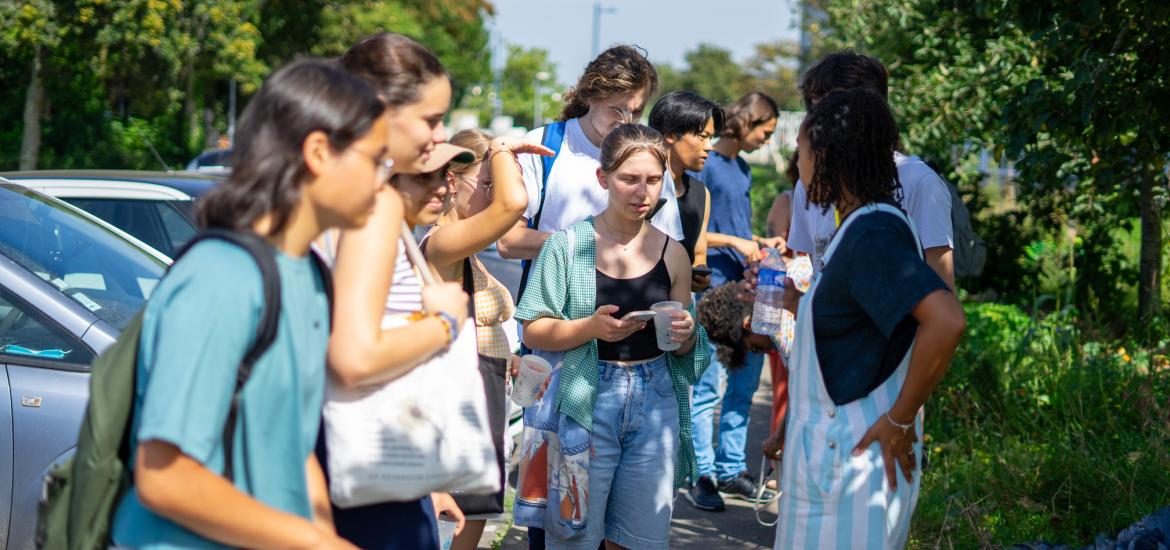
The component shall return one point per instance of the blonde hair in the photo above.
(627, 139)
(477, 141)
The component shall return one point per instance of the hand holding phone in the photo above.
(639, 316)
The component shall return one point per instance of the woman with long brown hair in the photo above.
(622, 443)
(613, 90)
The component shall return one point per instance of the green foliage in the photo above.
(1037, 433)
(767, 184)
(518, 83)
(1071, 92)
(123, 77)
(711, 72)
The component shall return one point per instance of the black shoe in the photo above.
(743, 487)
(705, 496)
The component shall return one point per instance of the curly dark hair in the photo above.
(851, 137)
(843, 70)
(722, 315)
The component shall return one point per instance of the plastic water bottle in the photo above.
(769, 306)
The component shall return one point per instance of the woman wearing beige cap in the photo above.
(376, 283)
(486, 198)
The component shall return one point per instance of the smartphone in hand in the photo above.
(639, 316)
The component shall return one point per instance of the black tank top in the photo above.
(691, 206)
(636, 294)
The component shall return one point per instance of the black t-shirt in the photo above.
(861, 309)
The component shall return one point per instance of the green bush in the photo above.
(1037, 434)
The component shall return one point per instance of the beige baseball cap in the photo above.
(444, 153)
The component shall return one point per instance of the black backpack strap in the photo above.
(265, 257)
(469, 287)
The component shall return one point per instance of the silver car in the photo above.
(68, 284)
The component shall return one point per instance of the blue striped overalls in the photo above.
(832, 499)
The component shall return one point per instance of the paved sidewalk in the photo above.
(693, 529)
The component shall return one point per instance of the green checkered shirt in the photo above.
(561, 287)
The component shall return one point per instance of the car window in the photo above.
(137, 217)
(26, 334)
(88, 262)
(177, 224)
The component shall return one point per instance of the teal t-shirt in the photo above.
(199, 322)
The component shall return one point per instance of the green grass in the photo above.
(1037, 435)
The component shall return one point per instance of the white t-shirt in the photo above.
(925, 197)
(573, 192)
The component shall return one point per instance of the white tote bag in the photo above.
(424, 432)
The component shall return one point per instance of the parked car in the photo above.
(213, 161)
(69, 283)
(155, 207)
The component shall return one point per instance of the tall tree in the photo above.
(518, 87)
(713, 73)
(1075, 92)
(28, 32)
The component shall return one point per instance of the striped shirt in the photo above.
(405, 295)
(406, 291)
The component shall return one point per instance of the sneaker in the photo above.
(743, 487)
(705, 496)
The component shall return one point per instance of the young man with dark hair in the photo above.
(925, 197)
(688, 121)
(722, 469)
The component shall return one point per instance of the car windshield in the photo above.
(90, 263)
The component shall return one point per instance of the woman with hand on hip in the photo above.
(875, 335)
(616, 483)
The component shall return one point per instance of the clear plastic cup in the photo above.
(662, 321)
(446, 533)
(533, 372)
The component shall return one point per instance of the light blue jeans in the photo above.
(631, 472)
(728, 460)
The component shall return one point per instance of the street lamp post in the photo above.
(598, 10)
(537, 99)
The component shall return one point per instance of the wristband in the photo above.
(449, 321)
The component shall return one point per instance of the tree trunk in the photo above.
(1150, 263)
(190, 115)
(34, 105)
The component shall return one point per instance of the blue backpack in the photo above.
(552, 137)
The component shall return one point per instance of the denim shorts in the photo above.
(631, 471)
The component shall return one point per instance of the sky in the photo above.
(667, 29)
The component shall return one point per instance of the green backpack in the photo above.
(81, 495)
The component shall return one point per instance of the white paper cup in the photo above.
(533, 372)
(662, 321)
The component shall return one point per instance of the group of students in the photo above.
(340, 157)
